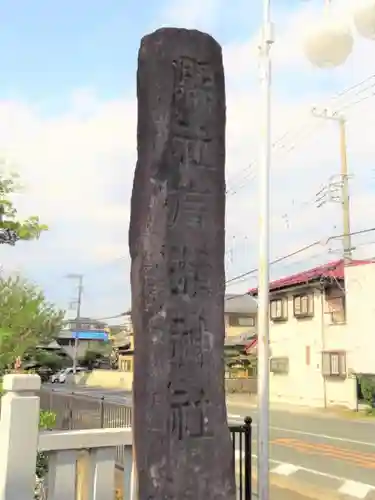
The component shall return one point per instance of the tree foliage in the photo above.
(28, 229)
(47, 359)
(94, 356)
(27, 319)
(368, 389)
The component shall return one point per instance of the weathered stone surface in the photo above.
(182, 443)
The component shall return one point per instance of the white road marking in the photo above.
(315, 472)
(285, 469)
(322, 436)
(351, 488)
(354, 489)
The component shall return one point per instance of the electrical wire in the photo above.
(275, 261)
(300, 250)
(305, 129)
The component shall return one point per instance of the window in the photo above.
(279, 309)
(279, 366)
(126, 365)
(334, 364)
(335, 306)
(303, 305)
(241, 320)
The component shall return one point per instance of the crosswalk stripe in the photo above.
(355, 489)
(285, 469)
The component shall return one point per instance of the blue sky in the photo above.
(48, 49)
(68, 119)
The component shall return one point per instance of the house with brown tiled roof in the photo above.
(321, 330)
(240, 315)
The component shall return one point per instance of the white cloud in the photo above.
(194, 14)
(70, 164)
(78, 165)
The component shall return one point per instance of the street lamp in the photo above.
(364, 18)
(327, 45)
(328, 42)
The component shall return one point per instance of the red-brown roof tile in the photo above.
(333, 269)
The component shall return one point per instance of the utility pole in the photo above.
(77, 303)
(344, 199)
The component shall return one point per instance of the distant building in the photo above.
(90, 333)
(240, 335)
(240, 315)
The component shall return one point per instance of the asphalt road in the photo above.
(319, 452)
(311, 454)
(97, 392)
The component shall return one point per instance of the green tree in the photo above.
(92, 356)
(89, 359)
(27, 319)
(50, 360)
(368, 389)
(28, 229)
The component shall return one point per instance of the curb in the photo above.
(345, 415)
(302, 488)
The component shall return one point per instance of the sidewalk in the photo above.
(250, 402)
(285, 494)
(289, 490)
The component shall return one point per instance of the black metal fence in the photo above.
(80, 411)
(241, 446)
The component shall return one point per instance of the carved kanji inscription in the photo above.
(176, 238)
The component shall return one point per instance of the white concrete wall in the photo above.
(360, 307)
(304, 384)
(81, 462)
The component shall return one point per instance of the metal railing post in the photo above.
(71, 400)
(248, 475)
(102, 412)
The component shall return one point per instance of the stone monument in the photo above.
(182, 443)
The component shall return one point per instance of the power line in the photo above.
(306, 129)
(356, 85)
(296, 252)
(113, 317)
(275, 261)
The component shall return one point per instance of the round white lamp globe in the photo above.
(328, 43)
(364, 18)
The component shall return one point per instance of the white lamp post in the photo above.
(328, 44)
(263, 266)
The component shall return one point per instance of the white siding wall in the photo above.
(360, 306)
(304, 384)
